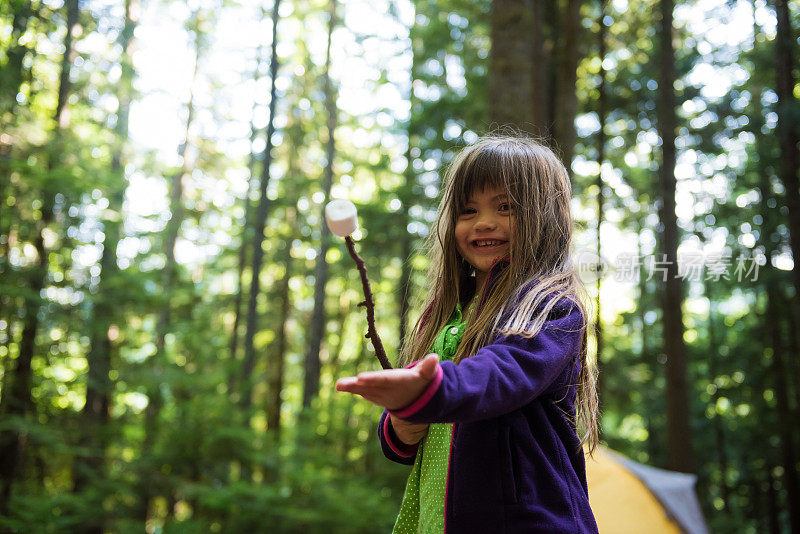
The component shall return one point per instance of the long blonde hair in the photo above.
(539, 276)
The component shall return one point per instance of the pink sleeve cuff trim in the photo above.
(406, 451)
(424, 398)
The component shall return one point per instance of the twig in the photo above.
(372, 333)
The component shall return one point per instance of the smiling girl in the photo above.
(496, 381)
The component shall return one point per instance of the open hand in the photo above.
(394, 389)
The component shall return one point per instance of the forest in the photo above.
(174, 312)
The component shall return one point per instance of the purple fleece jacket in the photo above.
(515, 460)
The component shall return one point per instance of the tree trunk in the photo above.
(15, 73)
(168, 281)
(317, 327)
(645, 355)
(277, 367)
(18, 402)
(601, 156)
(788, 110)
(541, 78)
(788, 454)
(261, 219)
(98, 387)
(772, 503)
(404, 291)
(406, 198)
(246, 224)
(679, 436)
(511, 74)
(769, 235)
(779, 368)
(14, 69)
(566, 99)
(720, 441)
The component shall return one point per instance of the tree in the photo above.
(517, 35)
(317, 326)
(679, 436)
(788, 110)
(169, 275)
(261, 217)
(601, 189)
(17, 402)
(102, 316)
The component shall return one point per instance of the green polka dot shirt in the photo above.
(422, 508)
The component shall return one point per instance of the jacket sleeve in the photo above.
(501, 377)
(391, 445)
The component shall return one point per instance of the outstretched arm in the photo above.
(498, 379)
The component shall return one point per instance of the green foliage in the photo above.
(175, 452)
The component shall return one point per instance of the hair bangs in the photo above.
(483, 168)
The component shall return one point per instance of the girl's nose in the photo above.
(485, 222)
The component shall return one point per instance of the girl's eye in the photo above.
(467, 211)
(505, 207)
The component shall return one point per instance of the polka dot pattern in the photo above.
(422, 508)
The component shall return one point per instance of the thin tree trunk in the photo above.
(334, 364)
(7, 369)
(645, 355)
(788, 138)
(772, 503)
(317, 326)
(406, 248)
(768, 236)
(18, 401)
(601, 156)
(168, 281)
(15, 65)
(6, 303)
(277, 369)
(246, 224)
(788, 109)
(98, 387)
(406, 199)
(720, 441)
(15, 73)
(511, 74)
(261, 219)
(779, 366)
(679, 435)
(788, 454)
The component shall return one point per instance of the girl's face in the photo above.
(483, 230)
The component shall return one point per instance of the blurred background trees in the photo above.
(173, 313)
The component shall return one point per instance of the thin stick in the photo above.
(372, 333)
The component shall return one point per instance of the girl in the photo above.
(489, 419)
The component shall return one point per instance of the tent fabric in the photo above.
(674, 490)
(628, 497)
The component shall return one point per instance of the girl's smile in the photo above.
(483, 230)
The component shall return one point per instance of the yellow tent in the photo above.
(629, 497)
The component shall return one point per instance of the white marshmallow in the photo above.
(342, 217)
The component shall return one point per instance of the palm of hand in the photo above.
(394, 389)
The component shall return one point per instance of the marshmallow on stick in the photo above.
(342, 219)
